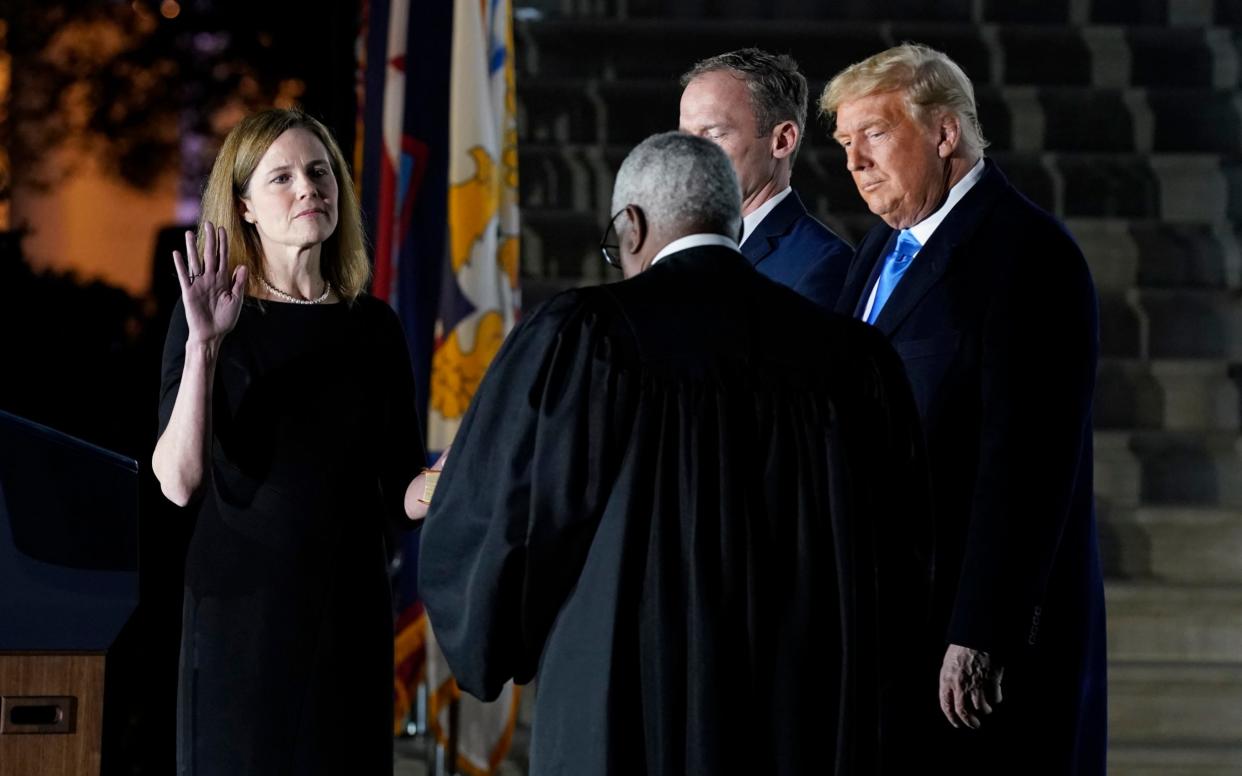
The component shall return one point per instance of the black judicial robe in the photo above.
(670, 500)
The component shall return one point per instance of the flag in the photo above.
(401, 161)
(438, 185)
(478, 305)
(479, 299)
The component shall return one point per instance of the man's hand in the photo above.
(969, 686)
(418, 493)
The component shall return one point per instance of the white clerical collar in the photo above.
(694, 241)
(922, 231)
(752, 221)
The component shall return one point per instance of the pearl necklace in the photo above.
(327, 289)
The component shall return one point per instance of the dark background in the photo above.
(84, 357)
(1141, 154)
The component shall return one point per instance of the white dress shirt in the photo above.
(752, 221)
(922, 231)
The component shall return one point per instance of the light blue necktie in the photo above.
(895, 265)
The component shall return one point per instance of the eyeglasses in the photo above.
(611, 250)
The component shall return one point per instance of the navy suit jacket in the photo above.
(793, 248)
(996, 323)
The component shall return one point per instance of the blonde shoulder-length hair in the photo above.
(343, 260)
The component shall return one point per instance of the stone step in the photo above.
(1026, 119)
(1123, 253)
(1174, 395)
(1191, 323)
(1165, 468)
(560, 245)
(1011, 52)
(1174, 324)
(1098, 119)
(1177, 325)
(1129, 253)
(1194, 189)
(1185, 255)
(1078, 12)
(1175, 705)
(1174, 624)
(1180, 545)
(1180, 188)
(1123, 329)
(639, 48)
(1189, 468)
(1118, 473)
(1138, 760)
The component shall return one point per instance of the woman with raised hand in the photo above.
(288, 422)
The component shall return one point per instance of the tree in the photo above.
(145, 89)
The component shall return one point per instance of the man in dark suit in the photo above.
(665, 498)
(989, 303)
(753, 105)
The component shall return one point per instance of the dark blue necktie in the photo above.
(895, 265)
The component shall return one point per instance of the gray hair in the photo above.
(777, 90)
(931, 82)
(680, 182)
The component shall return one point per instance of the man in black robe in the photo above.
(667, 501)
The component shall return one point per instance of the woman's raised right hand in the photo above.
(212, 299)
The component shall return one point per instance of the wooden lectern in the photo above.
(68, 584)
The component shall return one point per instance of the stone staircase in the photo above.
(1123, 117)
